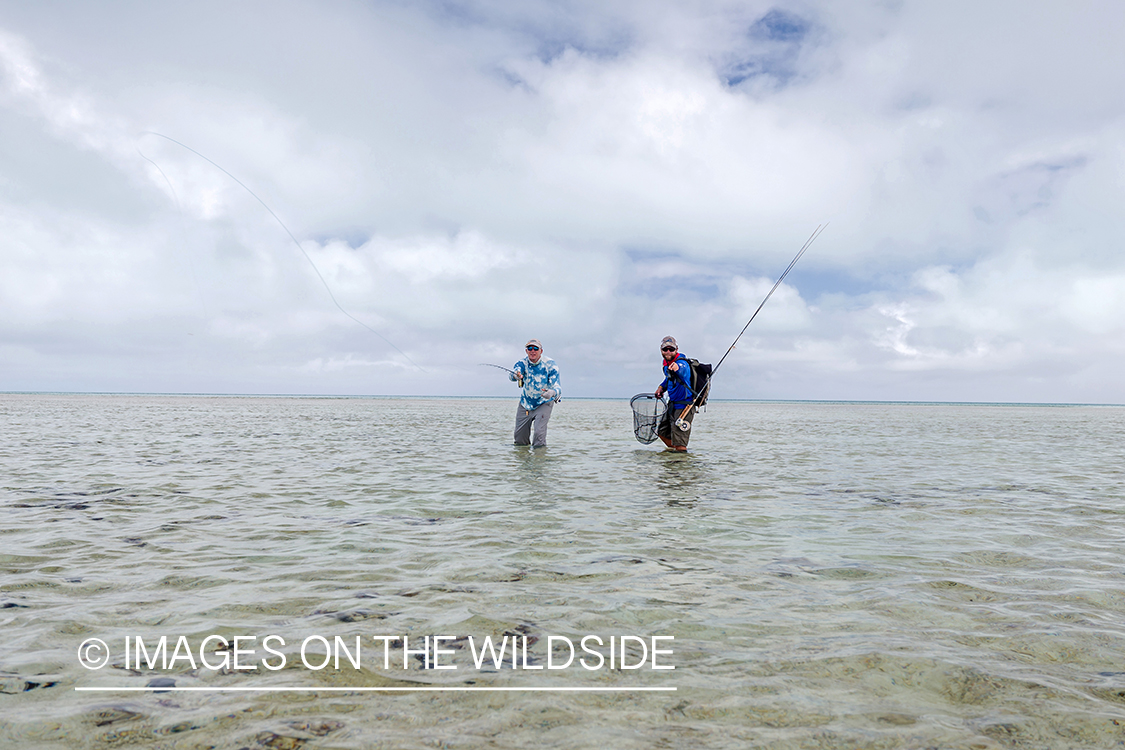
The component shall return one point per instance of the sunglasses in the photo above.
(533, 348)
(668, 349)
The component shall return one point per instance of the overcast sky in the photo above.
(466, 175)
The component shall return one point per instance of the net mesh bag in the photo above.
(647, 413)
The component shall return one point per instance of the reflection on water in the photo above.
(680, 478)
(835, 575)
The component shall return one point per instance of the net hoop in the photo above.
(648, 410)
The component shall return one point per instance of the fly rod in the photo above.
(681, 421)
(505, 369)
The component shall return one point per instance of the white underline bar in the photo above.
(464, 689)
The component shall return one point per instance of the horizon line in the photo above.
(191, 394)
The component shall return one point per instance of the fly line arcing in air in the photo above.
(282, 224)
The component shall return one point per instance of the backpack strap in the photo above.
(683, 361)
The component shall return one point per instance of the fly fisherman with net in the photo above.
(678, 385)
(539, 378)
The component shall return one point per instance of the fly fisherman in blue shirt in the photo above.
(539, 378)
(677, 383)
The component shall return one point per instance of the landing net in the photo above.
(648, 410)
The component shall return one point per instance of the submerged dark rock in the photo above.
(161, 682)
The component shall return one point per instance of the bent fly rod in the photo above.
(682, 422)
(505, 369)
(498, 367)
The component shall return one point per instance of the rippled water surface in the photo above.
(834, 575)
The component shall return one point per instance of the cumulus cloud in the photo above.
(462, 176)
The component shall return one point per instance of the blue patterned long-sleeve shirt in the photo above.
(536, 377)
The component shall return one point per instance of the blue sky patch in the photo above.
(779, 26)
(775, 42)
(709, 279)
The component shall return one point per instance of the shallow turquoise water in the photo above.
(834, 575)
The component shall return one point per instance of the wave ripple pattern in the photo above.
(835, 575)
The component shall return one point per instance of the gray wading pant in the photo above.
(524, 419)
(668, 430)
